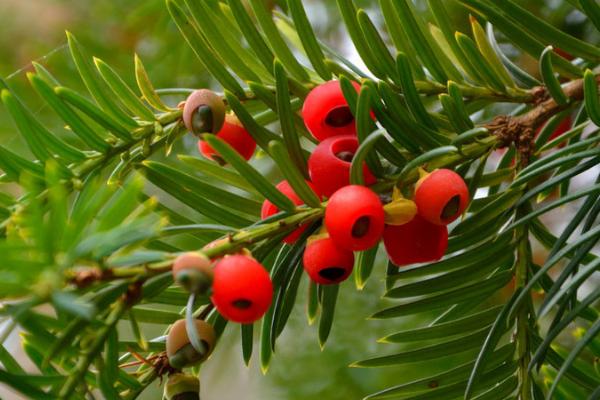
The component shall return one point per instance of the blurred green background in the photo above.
(114, 30)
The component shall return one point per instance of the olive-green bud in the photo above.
(204, 112)
(180, 351)
(193, 271)
(182, 387)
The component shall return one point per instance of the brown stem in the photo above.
(520, 130)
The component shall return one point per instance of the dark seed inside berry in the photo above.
(332, 273)
(345, 156)
(339, 116)
(194, 281)
(242, 304)
(202, 120)
(205, 344)
(361, 226)
(451, 208)
(184, 278)
(188, 355)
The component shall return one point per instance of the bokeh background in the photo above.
(114, 30)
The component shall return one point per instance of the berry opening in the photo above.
(346, 156)
(451, 208)
(339, 116)
(184, 278)
(194, 281)
(188, 355)
(205, 346)
(205, 343)
(202, 119)
(332, 273)
(361, 226)
(242, 304)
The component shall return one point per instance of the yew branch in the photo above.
(520, 130)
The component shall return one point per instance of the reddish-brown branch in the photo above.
(86, 277)
(520, 130)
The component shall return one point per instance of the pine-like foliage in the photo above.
(82, 236)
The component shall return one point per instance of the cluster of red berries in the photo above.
(440, 198)
(356, 219)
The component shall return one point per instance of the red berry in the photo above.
(415, 242)
(326, 112)
(563, 54)
(269, 208)
(354, 218)
(242, 289)
(563, 126)
(234, 134)
(442, 196)
(329, 165)
(327, 263)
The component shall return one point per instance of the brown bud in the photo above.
(204, 112)
(193, 272)
(180, 351)
(182, 387)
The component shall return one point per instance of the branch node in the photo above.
(133, 294)
(87, 277)
(540, 94)
(514, 131)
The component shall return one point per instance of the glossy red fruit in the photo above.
(326, 112)
(354, 218)
(242, 289)
(327, 263)
(329, 165)
(418, 241)
(441, 196)
(234, 134)
(269, 208)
